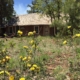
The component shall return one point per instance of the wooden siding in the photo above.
(26, 29)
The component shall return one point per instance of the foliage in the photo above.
(32, 6)
(61, 27)
(59, 11)
(6, 13)
(71, 8)
(52, 8)
(6, 6)
(4, 60)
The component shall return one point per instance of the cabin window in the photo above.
(36, 28)
(17, 28)
(10, 29)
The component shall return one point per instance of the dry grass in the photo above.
(55, 55)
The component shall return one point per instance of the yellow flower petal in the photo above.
(30, 34)
(32, 69)
(65, 42)
(28, 65)
(11, 77)
(69, 27)
(22, 78)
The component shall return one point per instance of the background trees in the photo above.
(6, 12)
(60, 11)
(51, 8)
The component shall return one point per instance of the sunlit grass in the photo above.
(51, 52)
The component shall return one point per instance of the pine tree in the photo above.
(6, 12)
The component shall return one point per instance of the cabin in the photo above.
(30, 22)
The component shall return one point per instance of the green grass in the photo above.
(50, 54)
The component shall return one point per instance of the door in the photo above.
(36, 28)
(46, 31)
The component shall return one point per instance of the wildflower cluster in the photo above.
(28, 58)
(27, 64)
(19, 33)
(2, 72)
(33, 44)
(27, 61)
(4, 60)
(31, 33)
(35, 68)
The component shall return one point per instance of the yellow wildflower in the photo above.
(28, 65)
(29, 58)
(32, 41)
(34, 65)
(24, 58)
(32, 69)
(2, 72)
(3, 60)
(20, 32)
(34, 32)
(65, 42)
(77, 35)
(7, 72)
(69, 27)
(11, 77)
(22, 78)
(26, 47)
(30, 34)
(7, 57)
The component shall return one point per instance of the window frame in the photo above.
(37, 29)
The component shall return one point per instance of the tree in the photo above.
(32, 7)
(72, 8)
(51, 8)
(6, 12)
(76, 15)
